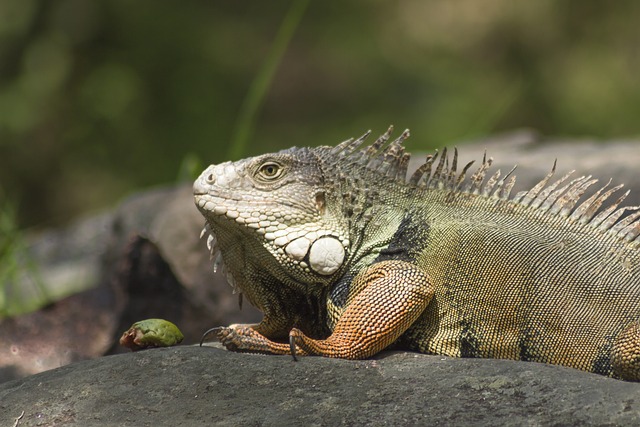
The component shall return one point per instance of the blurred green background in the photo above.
(100, 98)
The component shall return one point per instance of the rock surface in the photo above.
(187, 386)
(142, 260)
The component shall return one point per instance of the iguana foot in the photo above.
(394, 296)
(625, 355)
(245, 338)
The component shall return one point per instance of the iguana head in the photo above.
(304, 214)
(273, 208)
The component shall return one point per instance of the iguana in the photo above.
(347, 254)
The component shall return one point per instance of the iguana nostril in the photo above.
(211, 178)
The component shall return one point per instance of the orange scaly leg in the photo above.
(394, 295)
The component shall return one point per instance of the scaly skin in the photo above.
(346, 256)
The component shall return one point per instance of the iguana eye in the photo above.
(270, 170)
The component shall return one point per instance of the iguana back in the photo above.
(346, 255)
(510, 283)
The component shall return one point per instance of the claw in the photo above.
(203, 232)
(209, 331)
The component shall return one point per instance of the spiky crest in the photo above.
(391, 161)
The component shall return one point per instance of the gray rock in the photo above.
(210, 386)
(141, 260)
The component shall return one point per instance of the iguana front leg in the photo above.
(394, 295)
(625, 354)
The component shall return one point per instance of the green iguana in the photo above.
(345, 254)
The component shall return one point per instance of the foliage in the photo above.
(16, 266)
(99, 98)
(260, 85)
